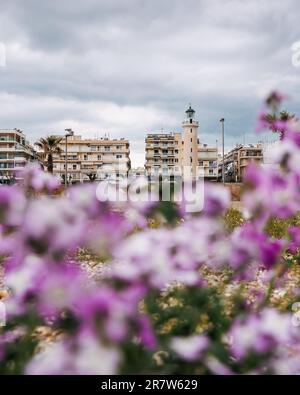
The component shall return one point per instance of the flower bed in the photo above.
(206, 293)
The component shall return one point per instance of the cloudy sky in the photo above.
(127, 67)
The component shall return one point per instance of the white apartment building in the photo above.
(92, 159)
(160, 153)
(181, 153)
(208, 161)
(15, 153)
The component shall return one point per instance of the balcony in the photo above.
(19, 159)
(6, 159)
(7, 140)
(7, 149)
(17, 147)
(250, 154)
(247, 161)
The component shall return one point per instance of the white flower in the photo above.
(190, 348)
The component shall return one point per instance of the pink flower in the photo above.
(33, 177)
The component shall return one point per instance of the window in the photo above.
(191, 159)
(191, 140)
(191, 149)
(119, 147)
(119, 156)
(74, 167)
(176, 151)
(85, 157)
(191, 130)
(201, 163)
(211, 171)
(99, 157)
(176, 160)
(107, 148)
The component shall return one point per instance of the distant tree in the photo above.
(92, 176)
(49, 147)
(6, 178)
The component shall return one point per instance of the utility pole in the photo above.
(222, 120)
(68, 134)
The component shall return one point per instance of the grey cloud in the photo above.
(69, 61)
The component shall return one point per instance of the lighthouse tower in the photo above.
(190, 144)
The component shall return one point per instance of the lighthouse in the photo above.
(190, 144)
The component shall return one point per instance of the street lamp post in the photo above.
(68, 134)
(222, 120)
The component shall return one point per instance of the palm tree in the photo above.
(49, 146)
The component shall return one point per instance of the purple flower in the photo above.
(261, 333)
(146, 333)
(216, 200)
(294, 244)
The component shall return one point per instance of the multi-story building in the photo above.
(92, 159)
(160, 153)
(181, 153)
(15, 153)
(237, 160)
(208, 161)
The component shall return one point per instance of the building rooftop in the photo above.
(78, 137)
